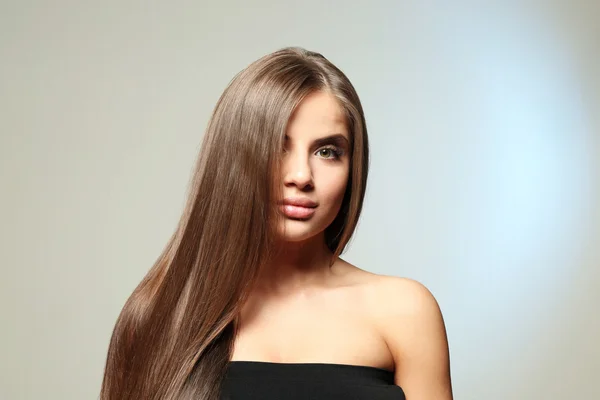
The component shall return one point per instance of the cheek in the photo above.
(334, 187)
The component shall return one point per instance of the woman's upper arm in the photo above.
(416, 335)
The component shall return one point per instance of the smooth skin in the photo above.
(305, 312)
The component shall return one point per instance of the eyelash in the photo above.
(337, 152)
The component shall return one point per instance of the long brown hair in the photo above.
(174, 337)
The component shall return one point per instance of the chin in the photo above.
(299, 230)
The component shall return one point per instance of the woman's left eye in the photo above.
(330, 152)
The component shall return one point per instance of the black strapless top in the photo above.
(254, 380)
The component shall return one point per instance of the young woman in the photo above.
(250, 299)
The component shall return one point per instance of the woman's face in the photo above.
(315, 167)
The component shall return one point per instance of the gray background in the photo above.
(485, 176)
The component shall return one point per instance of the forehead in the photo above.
(319, 114)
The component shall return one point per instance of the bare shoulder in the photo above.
(409, 319)
(408, 312)
(411, 323)
(406, 297)
(393, 295)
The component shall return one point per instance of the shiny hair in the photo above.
(174, 336)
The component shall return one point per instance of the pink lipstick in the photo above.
(298, 207)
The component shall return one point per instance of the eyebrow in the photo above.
(336, 138)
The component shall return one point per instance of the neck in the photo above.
(296, 266)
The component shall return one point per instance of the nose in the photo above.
(298, 171)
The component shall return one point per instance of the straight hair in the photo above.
(174, 337)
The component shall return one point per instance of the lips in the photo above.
(298, 207)
(299, 202)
